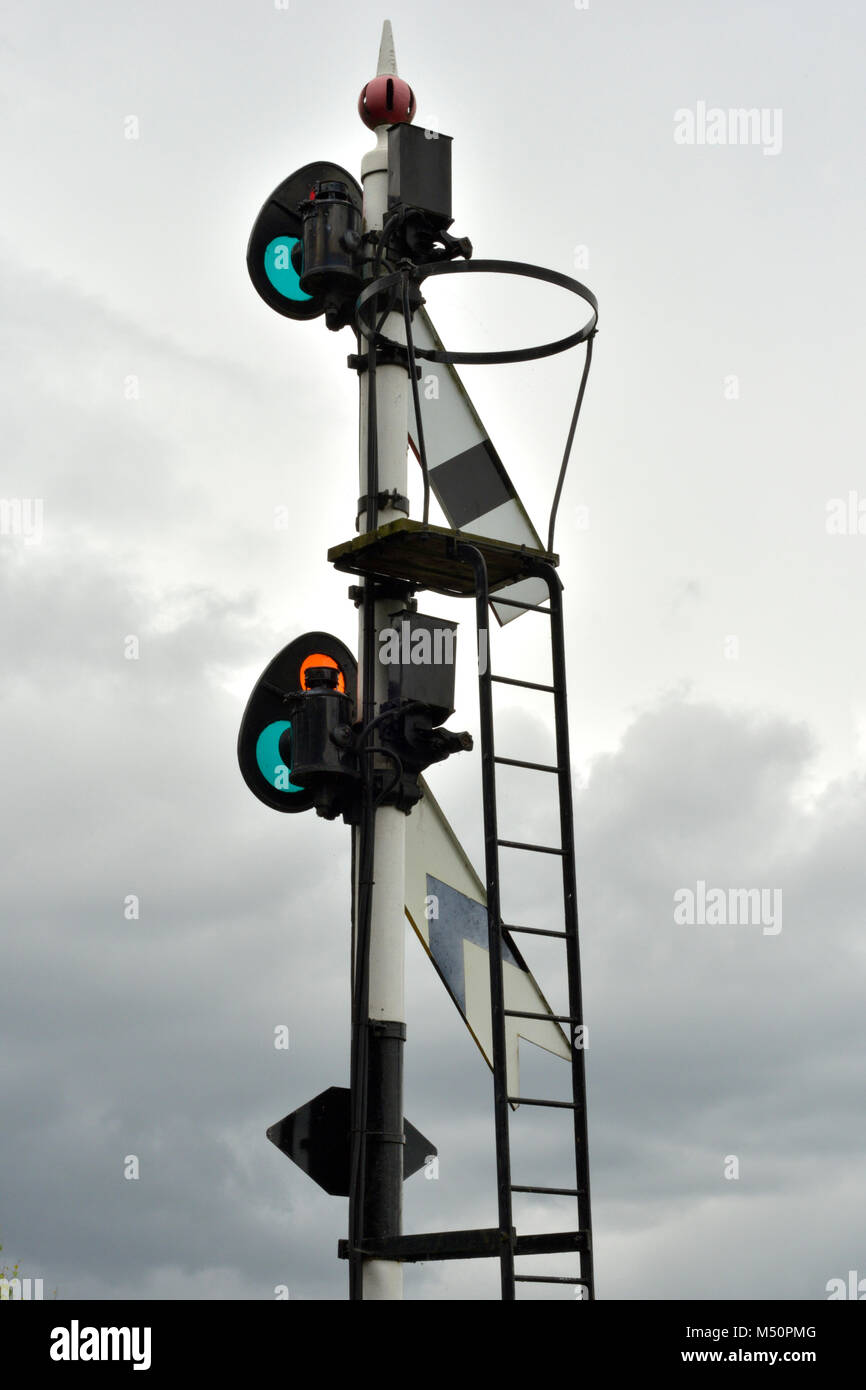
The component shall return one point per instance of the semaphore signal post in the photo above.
(351, 738)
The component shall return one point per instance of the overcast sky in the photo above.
(156, 414)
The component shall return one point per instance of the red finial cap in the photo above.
(386, 101)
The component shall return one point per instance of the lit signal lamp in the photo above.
(319, 659)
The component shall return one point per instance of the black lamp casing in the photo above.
(331, 237)
(323, 762)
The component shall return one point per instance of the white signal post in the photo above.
(383, 1279)
(322, 245)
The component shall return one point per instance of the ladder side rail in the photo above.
(475, 557)
(569, 891)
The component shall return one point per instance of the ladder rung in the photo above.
(555, 1104)
(516, 603)
(536, 931)
(537, 849)
(550, 1191)
(552, 1243)
(527, 685)
(548, 1279)
(551, 1018)
(519, 762)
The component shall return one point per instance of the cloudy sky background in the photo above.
(741, 763)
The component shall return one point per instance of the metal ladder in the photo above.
(442, 560)
(580, 1239)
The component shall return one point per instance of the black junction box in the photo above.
(420, 652)
(419, 171)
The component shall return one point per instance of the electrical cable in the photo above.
(389, 787)
(387, 714)
(360, 999)
(416, 399)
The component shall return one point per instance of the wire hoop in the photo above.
(531, 272)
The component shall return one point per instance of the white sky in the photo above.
(707, 516)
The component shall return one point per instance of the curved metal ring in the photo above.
(532, 272)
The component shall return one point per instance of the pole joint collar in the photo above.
(387, 1028)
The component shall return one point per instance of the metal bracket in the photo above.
(393, 499)
(452, 246)
(384, 1135)
(387, 355)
